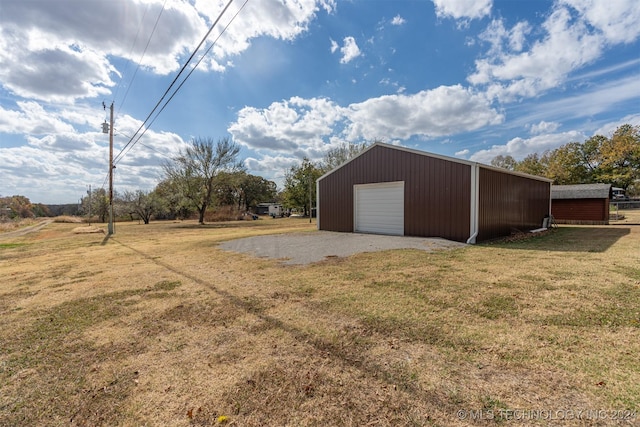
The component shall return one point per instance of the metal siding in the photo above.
(510, 202)
(437, 192)
(577, 210)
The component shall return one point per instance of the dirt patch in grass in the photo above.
(158, 326)
(88, 229)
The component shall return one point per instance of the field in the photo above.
(157, 326)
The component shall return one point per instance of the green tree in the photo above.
(195, 169)
(173, 204)
(227, 191)
(21, 207)
(591, 156)
(300, 185)
(243, 190)
(97, 203)
(533, 164)
(614, 160)
(141, 203)
(566, 165)
(620, 157)
(256, 189)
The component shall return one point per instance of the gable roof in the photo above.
(580, 191)
(436, 156)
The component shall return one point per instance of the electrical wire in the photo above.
(133, 45)
(144, 15)
(144, 145)
(144, 52)
(183, 82)
(184, 67)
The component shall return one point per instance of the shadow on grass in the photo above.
(215, 225)
(106, 239)
(261, 222)
(570, 239)
(351, 355)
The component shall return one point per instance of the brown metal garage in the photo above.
(395, 190)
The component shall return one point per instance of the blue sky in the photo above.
(465, 78)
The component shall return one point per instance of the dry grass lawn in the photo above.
(157, 326)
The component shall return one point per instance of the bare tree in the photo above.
(340, 154)
(196, 168)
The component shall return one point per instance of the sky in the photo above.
(470, 79)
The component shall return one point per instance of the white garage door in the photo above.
(379, 208)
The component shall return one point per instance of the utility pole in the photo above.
(89, 204)
(310, 181)
(110, 228)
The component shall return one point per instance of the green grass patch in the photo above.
(498, 307)
(621, 310)
(11, 245)
(630, 272)
(605, 316)
(166, 285)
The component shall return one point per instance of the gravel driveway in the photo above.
(305, 248)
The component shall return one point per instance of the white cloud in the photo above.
(59, 160)
(517, 36)
(294, 126)
(519, 148)
(459, 9)
(575, 34)
(274, 165)
(59, 51)
(270, 18)
(349, 50)
(608, 69)
(591, 102)
(441, 111)
(462, 153)
(618, 20)
(302, 127)
(544, 127)
(387, 82)
(398, 20)
(62, 51)
(334, 46)
(56, 53)
(31, 119)
(608, 128)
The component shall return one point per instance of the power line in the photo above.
(122, 153)
(144, 145)
(133, 45)
(186, 64)
(143, 53)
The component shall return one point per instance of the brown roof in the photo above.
(436, 156)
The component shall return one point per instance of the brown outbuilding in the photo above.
(581, 204)
(388, 189)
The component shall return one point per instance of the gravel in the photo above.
(306, 248)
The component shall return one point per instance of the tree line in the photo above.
(209, 173)
(599, 159)
(205, 174)
(17, 207)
